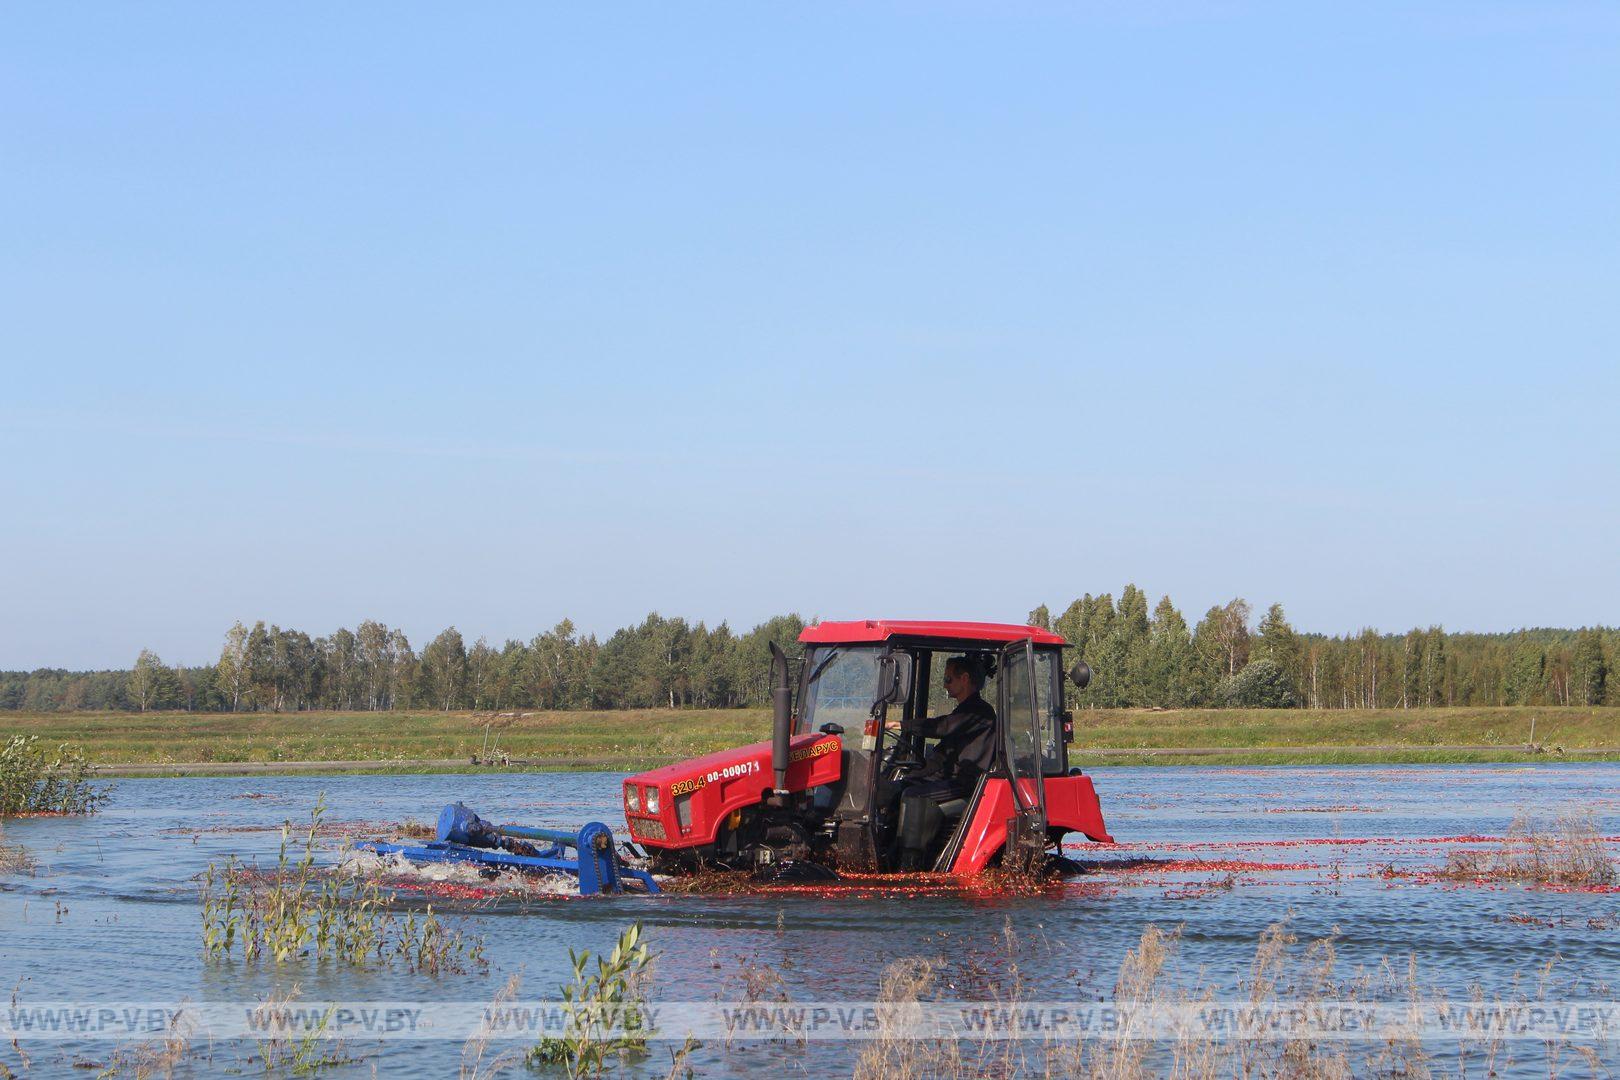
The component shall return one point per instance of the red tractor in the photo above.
(848, 730)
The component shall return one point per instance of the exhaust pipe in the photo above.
(781, 717)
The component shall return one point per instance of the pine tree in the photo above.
(1278, 643)
(1169, 675)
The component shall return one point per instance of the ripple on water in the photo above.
(1343, 849)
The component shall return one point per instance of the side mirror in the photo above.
(830, 728)
(1080, 674)
(893, 678)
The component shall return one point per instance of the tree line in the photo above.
(659, 662)
(1153, 659)
(1142, 658)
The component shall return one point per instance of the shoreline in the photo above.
(1133, 756)
(405, 743)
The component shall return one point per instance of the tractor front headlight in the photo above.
(652, 800)
(632, 798)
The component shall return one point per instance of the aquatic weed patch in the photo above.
(37, 781)
(294, 911)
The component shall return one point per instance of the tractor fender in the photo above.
(1071, 806)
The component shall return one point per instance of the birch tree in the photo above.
(145, 678)
(233, 664)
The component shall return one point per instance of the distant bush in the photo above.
(36, 781)
(1261, 685)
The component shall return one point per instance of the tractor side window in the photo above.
(1021, 737)
(842, 687)
(941, 703)
(1049, 710)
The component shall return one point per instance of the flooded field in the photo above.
(1397, 865)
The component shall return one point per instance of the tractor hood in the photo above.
(684, 804)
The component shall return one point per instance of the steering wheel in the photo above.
(899, 756)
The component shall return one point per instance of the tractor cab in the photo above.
(850, 779)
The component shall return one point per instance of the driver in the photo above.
(965, 751)
(966, 734)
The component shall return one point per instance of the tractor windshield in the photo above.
(840, 688)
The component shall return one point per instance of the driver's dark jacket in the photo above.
(967, 744)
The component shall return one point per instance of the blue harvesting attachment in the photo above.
(466, 837)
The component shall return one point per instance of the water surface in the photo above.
(111, 909)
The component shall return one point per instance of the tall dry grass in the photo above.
(895, 1054)
(156, 1057)
(1281, 974)
(473, 1051)
(1570, 851)
(14, 858)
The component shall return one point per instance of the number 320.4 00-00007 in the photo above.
(681, 787)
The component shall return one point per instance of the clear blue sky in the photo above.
(492, 315)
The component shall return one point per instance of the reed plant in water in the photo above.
(295, 911)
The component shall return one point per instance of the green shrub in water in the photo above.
(605, 1020)
(34, 780)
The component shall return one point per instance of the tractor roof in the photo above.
(847, 633)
